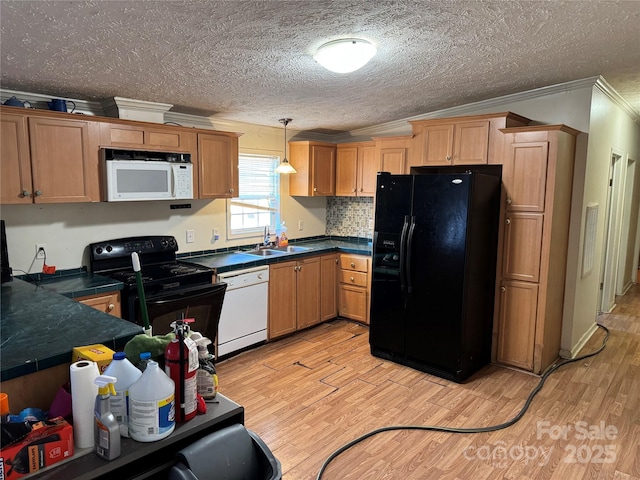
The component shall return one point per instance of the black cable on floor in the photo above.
(492, 428)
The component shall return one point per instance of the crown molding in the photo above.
(188, 120)
(402, 127)
(602, 85)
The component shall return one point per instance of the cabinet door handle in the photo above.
(25, 193)
(38, 193)
(448, 158)
(336, 261)
(503, 289)
(231, 190)
(354, 190)
(353, 265)
(509, 201)
(507, 221)
(352, 279)
(111, 307)
(315, 189)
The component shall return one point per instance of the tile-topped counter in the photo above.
(40, 327)
(235, 260)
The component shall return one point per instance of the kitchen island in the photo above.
(38, 330)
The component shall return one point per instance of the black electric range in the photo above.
(162, 273)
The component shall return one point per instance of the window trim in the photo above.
(255, 233)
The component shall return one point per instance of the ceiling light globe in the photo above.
(345, 55)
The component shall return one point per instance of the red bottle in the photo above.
(181, 365)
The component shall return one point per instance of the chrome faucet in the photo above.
(267, 237)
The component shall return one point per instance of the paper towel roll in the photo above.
(83, 397)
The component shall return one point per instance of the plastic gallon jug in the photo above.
(127, 374)
(152, 405)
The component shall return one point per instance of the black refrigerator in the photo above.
(434, 266)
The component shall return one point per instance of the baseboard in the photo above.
(581, 343)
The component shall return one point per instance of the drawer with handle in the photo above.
(353, 278)
(355, 263)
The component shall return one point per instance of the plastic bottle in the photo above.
(207, 376)
(127, 374)
(106, 431)
(284, 241)
(144, 359)
(152, 405)
(181, 364)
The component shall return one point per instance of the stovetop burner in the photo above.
(159, 267)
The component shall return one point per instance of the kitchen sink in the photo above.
(291, 249)
(266, 252)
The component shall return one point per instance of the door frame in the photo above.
(613, 220)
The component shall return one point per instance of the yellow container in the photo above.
(96, 353)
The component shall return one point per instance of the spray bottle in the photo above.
(106, 430)
(207, 376)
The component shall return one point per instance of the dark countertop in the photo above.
(40, 327)
(234, 260)
(79, 283)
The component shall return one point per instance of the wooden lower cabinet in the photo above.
(294, 296)
(282, 299)
(354, 287)
(516, 331)
(308, 292)
(328, 287)
(107, 303)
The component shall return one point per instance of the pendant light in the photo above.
(285, 167)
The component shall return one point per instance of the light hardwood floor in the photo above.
(309, 394)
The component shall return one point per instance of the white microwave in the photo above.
(137, 176)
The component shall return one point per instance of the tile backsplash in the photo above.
(350, 216)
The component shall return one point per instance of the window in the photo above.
(258, 203)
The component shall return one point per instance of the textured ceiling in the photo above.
(251, 61)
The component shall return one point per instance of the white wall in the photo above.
(67, 229)
(610, 128)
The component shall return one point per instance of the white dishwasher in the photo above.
(243, 320)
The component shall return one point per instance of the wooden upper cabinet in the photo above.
(393, 154)
(217, 165)
(15, 165)
(64, 160)
(315, 163)
(146, 136)
(356, 167)
(472, 140)
(525, 176)
(346, 171)
(367, 170)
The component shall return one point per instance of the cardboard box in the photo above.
(96, 353)
(49, 442)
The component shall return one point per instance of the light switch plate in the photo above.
(191, 236)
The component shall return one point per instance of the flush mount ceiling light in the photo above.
(345, 55)
(285, 166)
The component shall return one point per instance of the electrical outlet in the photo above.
(300, 225)
(371, 223)
(191, 236)
(216, 234)
(41, 249)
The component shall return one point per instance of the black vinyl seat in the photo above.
(232, 453)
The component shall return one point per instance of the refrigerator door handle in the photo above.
(403, 242)
(412, 227)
